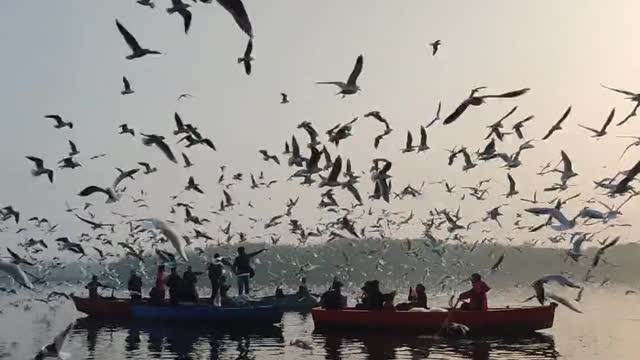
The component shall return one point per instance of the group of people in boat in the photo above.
(372, 298)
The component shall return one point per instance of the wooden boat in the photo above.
(124, 309)
(290, 302)
(493, 321)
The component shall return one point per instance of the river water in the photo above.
(607, 329)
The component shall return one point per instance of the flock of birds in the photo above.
(314, 164)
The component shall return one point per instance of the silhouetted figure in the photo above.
(417, 299)
(189, 281)
(174, 282)
(135, 286)
(93, 286)
(243, 270)
(303, 290)
(215, 271)
(372, 297)
(332, 299)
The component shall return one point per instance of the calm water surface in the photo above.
(608, 329)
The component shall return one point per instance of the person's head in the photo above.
(375, 284)
(160, 268)
(216, 256)
(303, 280)
(241, 250)
(475, 277)
(337, 285)
(420, 288)
(174, 270)
(94, 278)
(189, 268)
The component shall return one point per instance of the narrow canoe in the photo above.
(124, 309)
(493, 321)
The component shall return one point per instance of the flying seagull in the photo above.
(435, 46)
(124, 129)
(136, 50)
(177, 6)
(148, 3)
(127, 86)
(239, 13)
(517, 127)
(558, 125)
(148, 169)
(59, 122)
(15, 272)
(158, 141)
(603, 131)
(623, 186)
(74, 149)
(512, 186)
(285, 98)
(187, 161)
(246, 59)
(479, 100)
(350, 87)
(40, 169)
(631, 96)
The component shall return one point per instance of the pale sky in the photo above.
(67, 57)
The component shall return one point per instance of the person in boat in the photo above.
(417, 299)
(476, 298)
(93, 286)
(225, 300)
(215, 272)
(372, 297)
(303, 290)
(332, 299)
(174, 282)
(189, 281)
(135, 286)
(243, 270)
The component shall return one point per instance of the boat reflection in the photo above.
(338, 345)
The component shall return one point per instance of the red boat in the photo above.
(104, 308)
(493, 321)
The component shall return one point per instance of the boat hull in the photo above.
(118, 309)
(290, 302)
(493, 321)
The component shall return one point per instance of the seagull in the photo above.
(409, 146)
(266, 157)
(246, 59)
(332, 179)
(623, 185)
(74, 150)
(158, 140)
(558, 125)
(601, 250)
(136, 49)
(556, 214)
(187, 162)
(423, 140)
(512, 186)
(127, 87)
(147, 168)
(567, 172)
(435, 46)
(285, 98)
(350, 87)
(40, 169)
(124, 129)
(437, 117)
(631, 96)
(112, 193)
(517, 127)
(376, 115)
(177, 6)
(53, 350)
(603, 131)
(59, 122)
(148, 3)
(15, 272)
(479, 100)
(538, 286)
(94, 225)
(192, 185)
(239, 13)
(68, 163)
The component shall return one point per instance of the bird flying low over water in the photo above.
(53, 350)
(15, 272)
(350, 87)
(474, 100)
(136, 50)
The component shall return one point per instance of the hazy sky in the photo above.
(67, 57)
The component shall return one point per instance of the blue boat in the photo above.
(219, 315)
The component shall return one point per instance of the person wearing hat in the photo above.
(477, 296)
(332, 299)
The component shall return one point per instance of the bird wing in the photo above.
(58, 341)
(557, 124)
(409, 142)
(15, 272)
(510, 94)
(87, 220)
(123, 175)
(249, 49)
(631, 114)
(625, 92)
(512, 182)
(178, 120)
(335, 169)
(622, 185)
(588, 128)
(609, 119)
(563, 301)
(237, 10)
(125, 81)
(131, 41)
(166, 150)
(37, 161)
(566, 162)
(186, 16)
(357, 69)
(89, 190)
(457, 112)
(73, 146)
(171, 236)
(423, 136)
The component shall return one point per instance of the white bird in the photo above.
(15, 272)
(53, 350)
(301, 343)
(175, 240)
(556, 214)
(350, 87)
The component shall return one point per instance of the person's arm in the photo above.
(465, 295)
(256, 252)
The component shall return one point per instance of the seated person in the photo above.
(388, 301)
(332, 299)
(93, 286)
(417, 299)
(477, 296)
(279, 293)
(303, 291)
(372, 298)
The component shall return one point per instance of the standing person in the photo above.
(189, 281)
(303, 290)
(215, 272)
(477, 296)
(161, 283)
(135, 286)
(174, 282)
(243, 270)
(93, 286)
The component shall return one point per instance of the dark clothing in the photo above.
(421, 300)
(93, 286)
(374, 300)
(189, 280)
(161, 285)
(135, 287)
(302, 291)
(243, 270)
(174, 282)
(243, 284)
(477, 297)
(156, 297)
(215, 272)
(331, 300)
